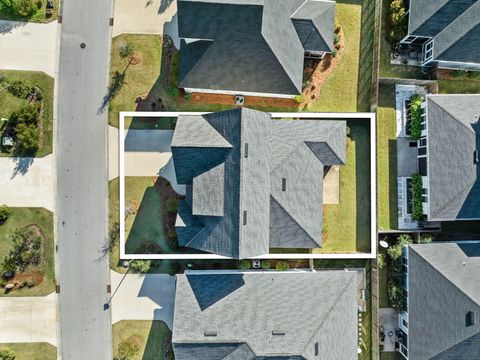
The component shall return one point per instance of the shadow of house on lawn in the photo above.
(159, 342)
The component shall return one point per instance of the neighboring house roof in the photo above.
(255, 183)
(454, 24)
(453, 136)
(443, 288)
(270, 315)
(251, 45)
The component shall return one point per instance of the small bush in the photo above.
(173, 91)
(299, 99)
(141, 266)
(187, 96)
(127, 350)
(336, 39)
(381, 261)
(265, 264)
(7, 354)
(5, 213)
(27, 114)
(334, 53)
(172, 206)
(458, 73)
(126, 50)
(19, 88)
(473, 74)
(282, 265)
(417, 187)
(24, 7)
(425, 239)
(416, 117)
(244, 265)
(396, 251)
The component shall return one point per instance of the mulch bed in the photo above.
(167, 193)
(224, 99)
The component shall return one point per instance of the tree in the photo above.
(244, 265)
(396, 251)
(27, 114)
(28, 137)
(282, 265)
(5, 213)
(127, 350)
(7, 354)
(425, 239)
(141, 266)
(24, 7)
(25, 251)
(126, 51)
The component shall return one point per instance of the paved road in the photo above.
(28, 46)
(143, 297)
(81, 226)
(28, 319)
(34, 176)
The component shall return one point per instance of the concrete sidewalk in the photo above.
(27, 182)
(28, 319)
(143, 297)
(28, 46)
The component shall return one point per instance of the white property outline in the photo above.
(294, 115)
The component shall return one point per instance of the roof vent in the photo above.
(210, 333)
(470, 318)
(316, 349)
(476, 156)
(278, 332)
(284, 184)
(245, 152)
(244, 217)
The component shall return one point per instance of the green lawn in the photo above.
(6, 13)
(9, 103)
(148, 335)
(44, 219)
(390, 356)
(386, 158)
(382, 282)
(32, 351)
(348, 87)
(465, 86)
(347, 224)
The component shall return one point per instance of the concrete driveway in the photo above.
(28, 46)
(28, 319)
(27, 182)
(143, 297)
(144, 17)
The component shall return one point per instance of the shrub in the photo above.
(334, 53)
(381, 261)
(5, 213)
(244, 265)
(19, 88)
(141, 266)
(39, 4)
(7, 354)
(299, 99)
(336, 39)
(24, 7)
(28, 137)
(473, 74)
(187, 96)
(397, 21)
(396, 251)
(25, 251)
(127, 350)
(416, 117)
(417, 187)
(113, 236)
(174, 268)
(425, 239)
(458, 73)
(282, 265)
(27, 114)
(265, 264)
(126, 50)
(172, 206)
(173, 91)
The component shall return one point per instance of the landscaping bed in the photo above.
(26, 101)
(34, 273)
(39, 11)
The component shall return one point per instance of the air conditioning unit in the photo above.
(239, 100)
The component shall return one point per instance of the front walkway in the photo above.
(28, 46)
(143, 297)
(28, 319)
(27, 182)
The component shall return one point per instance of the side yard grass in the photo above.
(10, 103)
(347, 225)
(464, 86)
(31, 351)
(149, 336)
(386, 159)
(44, 219)
(40, 16)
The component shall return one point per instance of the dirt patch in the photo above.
(135, 59)
(168, 197)
(317, 72)
(134, 339)
(27, 279)
(224, 99)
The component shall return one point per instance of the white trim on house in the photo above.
(191, 40)
(238, 92)
(427, 50)
(370, 117)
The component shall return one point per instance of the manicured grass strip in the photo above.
(387, 159)
(32, 351)
(459, 87)
(9, 103)
(148, 335)
(44, 219)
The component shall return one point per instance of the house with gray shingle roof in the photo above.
(253, 183)
(442, 321)
(447, 30)
(448, 157)
(266, 316)
(251, 47)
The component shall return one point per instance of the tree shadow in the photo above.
(22, 164)
(7, 26)
(164, 5)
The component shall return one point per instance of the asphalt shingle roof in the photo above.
(249, 310)
(443, 288)
(263, 188)
(453, 136)
(250, 46)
